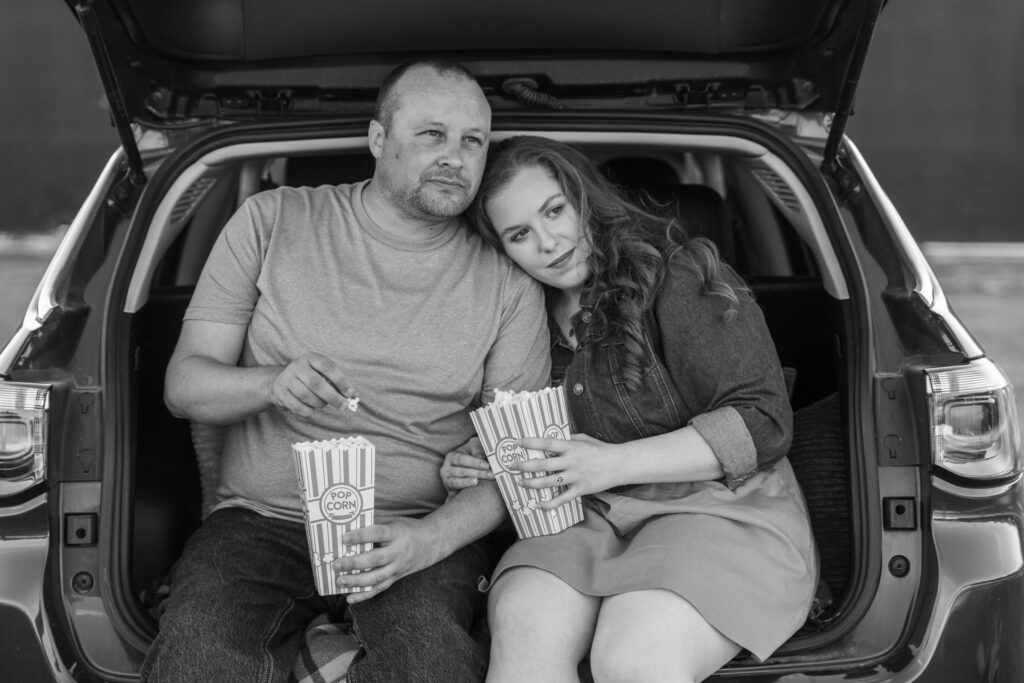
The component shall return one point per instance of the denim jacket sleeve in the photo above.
(727, 372)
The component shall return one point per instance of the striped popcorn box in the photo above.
(499, 424)
(336, 485)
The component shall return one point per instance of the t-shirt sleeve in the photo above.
(520, 359)
(227, 288)
(727, 371)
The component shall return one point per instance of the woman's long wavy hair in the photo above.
(630, 244)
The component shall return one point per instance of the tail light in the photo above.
(975, 427)
(24, 412)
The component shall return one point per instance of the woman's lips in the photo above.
(562, 260)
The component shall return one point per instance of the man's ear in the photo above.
(376, 136)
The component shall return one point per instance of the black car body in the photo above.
(907, 439)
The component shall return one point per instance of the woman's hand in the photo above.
(582, 465)
(465, 467)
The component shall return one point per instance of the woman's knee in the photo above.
(526, 600)
(533, 611)
(541, 627)
(614, 664)
(655, 636)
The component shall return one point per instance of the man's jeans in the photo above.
(242, 594)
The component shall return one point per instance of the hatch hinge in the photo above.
(845, 106)
(118, 109)
(846, 184)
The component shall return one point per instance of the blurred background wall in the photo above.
(937, 116)
(55, 135)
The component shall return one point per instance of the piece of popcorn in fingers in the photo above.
(351, 404)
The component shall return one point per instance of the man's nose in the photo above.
(451, 154)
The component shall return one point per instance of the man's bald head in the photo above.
(389, 96)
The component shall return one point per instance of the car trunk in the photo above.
(724, 191)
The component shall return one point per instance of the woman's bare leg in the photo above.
(654, 636)
(541, 627)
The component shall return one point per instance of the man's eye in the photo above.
(434, 133)
(476, 142)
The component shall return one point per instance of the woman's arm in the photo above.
(730, 382)
(727, 372)
(585, 465)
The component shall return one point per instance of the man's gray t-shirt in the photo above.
(424, 330)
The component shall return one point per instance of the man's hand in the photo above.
(308, 384)
(402, 547)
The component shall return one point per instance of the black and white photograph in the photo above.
(494, 342)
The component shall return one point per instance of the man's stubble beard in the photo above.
(433, 206)
(418, 203)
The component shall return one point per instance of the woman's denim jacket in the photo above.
(720, 375)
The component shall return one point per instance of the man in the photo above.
(314, 296)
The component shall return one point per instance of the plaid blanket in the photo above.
(327, 651)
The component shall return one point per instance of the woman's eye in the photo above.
(518, 235)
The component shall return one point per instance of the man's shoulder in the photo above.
(289, 208)
(486, 255)
(289, 194)
(489, 264)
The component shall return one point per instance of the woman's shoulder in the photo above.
(688, 289)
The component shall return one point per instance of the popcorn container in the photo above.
(499, 424)
(336, 485)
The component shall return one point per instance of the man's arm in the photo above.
(406, 545)
(205, 384)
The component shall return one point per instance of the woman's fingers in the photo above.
(463, 470)
(458, 483)
(465, 465)
(535, 465)
(472, 462)
(483, 473)
(561, 499)
(558, 445)
(543, 482)
(549, 445)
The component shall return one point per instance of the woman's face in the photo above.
(540, 230)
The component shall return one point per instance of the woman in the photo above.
(696, 541)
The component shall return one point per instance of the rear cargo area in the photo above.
(805, 320)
